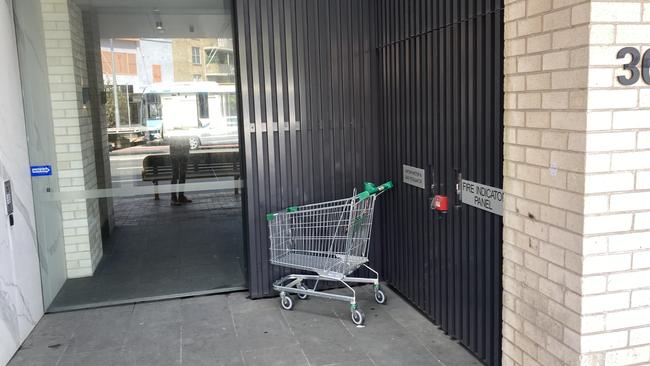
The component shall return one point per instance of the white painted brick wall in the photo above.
(577, 163)
(545, 143)
(65, 50)
(624, 184)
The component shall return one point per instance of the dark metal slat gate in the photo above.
(441, 72)
(310, 127)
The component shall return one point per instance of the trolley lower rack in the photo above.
(294, 284)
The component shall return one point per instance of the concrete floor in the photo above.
(161, 250)
(233, 330)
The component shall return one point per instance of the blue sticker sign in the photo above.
(41, 170)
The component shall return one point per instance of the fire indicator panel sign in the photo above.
(481, 196)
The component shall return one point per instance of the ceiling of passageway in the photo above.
(164, 6)
(179, 18)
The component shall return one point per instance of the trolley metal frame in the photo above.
(329, 238)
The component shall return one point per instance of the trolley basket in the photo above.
(330, 239)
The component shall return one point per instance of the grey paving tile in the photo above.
(239, 303)
(322, 336)
(206, 309)
(262, 329)
(53, 332)
(401, 351)
(51, 337)
(207, 344)
(153, 345)
(448, 352)
(157, 313)
(386, 342)
(103, 335)
(194, 358)
(366, 362)
(290, 355)
(104, 357)
(233, 330)
(32, 359)
(443, 347)
(44, 348)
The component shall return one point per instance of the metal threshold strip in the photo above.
(103, 304)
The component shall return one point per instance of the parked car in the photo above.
(218, 133)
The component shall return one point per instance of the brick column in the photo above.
(577, 174)
(75, 159)
(616, 246)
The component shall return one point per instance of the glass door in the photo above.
(134, 111)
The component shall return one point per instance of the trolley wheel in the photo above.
(358, 317)
(287, 302)
(380, 297)
(303, 296)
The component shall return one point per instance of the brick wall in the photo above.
(66, 62)
(546, 72)
(576, 220)
(616, 246)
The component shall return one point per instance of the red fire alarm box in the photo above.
(440, 203)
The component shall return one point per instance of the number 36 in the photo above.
(633, 66)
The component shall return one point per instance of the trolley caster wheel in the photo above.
(303, 296)
(287, 302)
(380, 297)
(358, 317)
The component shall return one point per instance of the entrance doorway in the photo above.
(136, 118)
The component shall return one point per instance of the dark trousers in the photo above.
(179, 169)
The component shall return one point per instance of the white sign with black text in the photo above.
(481, 196)
(413, 176)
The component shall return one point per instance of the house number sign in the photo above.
(633, 66)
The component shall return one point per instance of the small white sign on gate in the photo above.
(481, 196)
(413, 176)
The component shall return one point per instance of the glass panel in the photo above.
(144, 200)
(204, 110)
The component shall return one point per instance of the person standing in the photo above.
(179, 153)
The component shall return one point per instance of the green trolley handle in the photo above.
(369, 190)
(271, 216)
(372, 189)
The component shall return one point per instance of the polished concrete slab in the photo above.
(158, 250)
(233, 330)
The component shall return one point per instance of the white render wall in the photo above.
(75, 154)
(21, 303)
(577, 161)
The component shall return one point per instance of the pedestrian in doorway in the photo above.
(179, 153)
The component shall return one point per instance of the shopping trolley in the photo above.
(330, 239)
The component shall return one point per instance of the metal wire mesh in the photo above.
(329, 238)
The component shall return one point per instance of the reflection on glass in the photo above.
(179, 153)
(138, 118)
(170, 108)
(160, 92)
